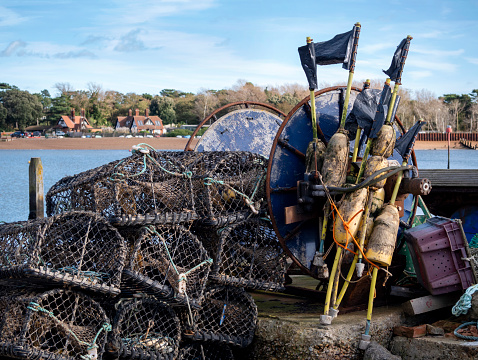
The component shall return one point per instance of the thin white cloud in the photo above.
(438, 53)
(12, 48)
(9, 17)
(419, 74)
(472, 60)
(431, 64)
(130, 13)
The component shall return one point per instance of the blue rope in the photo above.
(464, 304)
(457, 334)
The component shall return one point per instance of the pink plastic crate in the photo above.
(438, 248)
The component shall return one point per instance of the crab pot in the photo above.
(384, 143)
(247, 254)
(228, 315)
(381, 244)
(374, 164)
(199, 351)
(58, 324)
(144, 329)
(334, 169)
(350, 209)
(169, 262)
(153, 188)
(77, 249)
(228, 186)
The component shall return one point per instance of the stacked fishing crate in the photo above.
(143, 258)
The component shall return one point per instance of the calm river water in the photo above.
(60, 163)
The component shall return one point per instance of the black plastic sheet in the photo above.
(405, 143)
(363, 112)
(382, 110)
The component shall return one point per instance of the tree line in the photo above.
(19, 108)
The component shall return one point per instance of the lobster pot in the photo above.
(248, 254)
(334, 168)
(144, 329)
(200, 351)
(169, 262)
(145, 188)
(228, 186)
(78, 249)
(228, 315)
(381, 244)
(374, 164)
(385, 142)
(58, 324)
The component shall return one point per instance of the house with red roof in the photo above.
(73, 123)
(138, 123)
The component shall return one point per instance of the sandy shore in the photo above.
(163, 143)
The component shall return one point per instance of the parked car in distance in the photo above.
(18, 134)
(59, 133)
(36, 134)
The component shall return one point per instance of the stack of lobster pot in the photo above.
(195, 234)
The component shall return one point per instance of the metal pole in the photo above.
(35, 171)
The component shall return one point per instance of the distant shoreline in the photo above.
(163, 143)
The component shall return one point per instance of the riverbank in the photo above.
(163, 143)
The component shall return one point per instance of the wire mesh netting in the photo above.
(56, 325)
(169, 262)
(145, 329)
(227, 315)
(247, 254)
(204, 351)
(228, 186)
(145, 188)
(78, 249)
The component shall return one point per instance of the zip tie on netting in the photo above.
(90, 346)
(464, 304)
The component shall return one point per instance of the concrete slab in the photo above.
(288, 328)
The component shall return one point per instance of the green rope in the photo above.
(106, 327)
(464, 304)
(473, 242)
(91, 275)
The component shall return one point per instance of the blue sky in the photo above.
(149, 45)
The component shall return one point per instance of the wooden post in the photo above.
(36, 189)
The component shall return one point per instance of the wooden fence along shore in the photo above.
(443, 136)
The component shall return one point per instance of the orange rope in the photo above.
(346, 227)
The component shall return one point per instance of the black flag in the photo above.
(381, 113)
(339, 49)
(405, 143)
(394, 72)
(307, 59)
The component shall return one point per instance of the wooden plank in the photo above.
(293, 215)
(451, 177)
(35, 172)
(429, 303)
